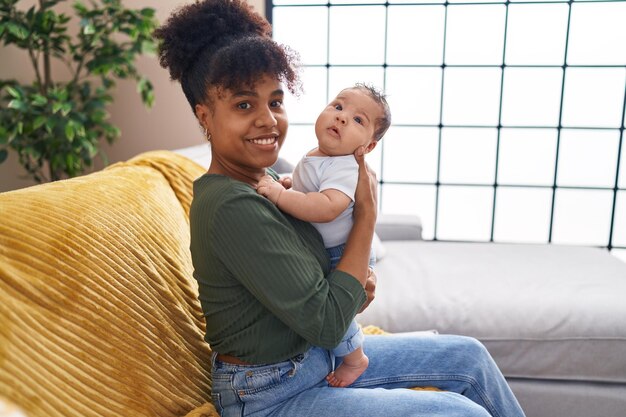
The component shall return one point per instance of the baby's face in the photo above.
(349, 121)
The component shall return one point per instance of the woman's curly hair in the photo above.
(222, 43)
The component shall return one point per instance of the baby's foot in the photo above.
(348, 372)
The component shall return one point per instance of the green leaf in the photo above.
(66, 108)
(148, 12)
(39, 100)
(18, 105)
(14, 92)
(56, 107)
(80, 7)
(50, 124)
(148, 47)
(79, 128)
(89, 29)
(39, 121)
(18, 31)
(69, 131)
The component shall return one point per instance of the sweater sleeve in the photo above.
(271, 260)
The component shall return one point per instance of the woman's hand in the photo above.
(358, 247)
(370, 289)
(365, 197)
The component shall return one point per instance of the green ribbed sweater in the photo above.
(264, 281)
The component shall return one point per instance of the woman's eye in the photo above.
(244, 105)
(276, 103)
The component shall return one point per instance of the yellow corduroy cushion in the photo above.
(98, 308)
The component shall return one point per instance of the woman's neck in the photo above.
(248, 176)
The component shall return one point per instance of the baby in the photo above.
(324, 183)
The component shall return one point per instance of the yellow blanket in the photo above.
(98, 309)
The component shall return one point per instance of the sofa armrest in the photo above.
(399, 227)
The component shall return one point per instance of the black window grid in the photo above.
(269, 6)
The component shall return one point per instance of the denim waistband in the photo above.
(336, 251)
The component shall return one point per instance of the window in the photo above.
(508, 117)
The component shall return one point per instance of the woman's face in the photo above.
(248, 126)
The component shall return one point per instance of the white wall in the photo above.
(170, 124)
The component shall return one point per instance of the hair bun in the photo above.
(207, 25)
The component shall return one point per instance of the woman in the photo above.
(272, 306)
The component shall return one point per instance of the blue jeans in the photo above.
(353, 338)
(461, 366)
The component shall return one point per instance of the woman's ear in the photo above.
(202, 114)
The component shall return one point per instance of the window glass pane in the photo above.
(619, 227)
(593, 97)
(531, 96)
(481, 1)
(536, 34)
(522, 215)
(475, 34)
(588, 158)
(355, 1)
(342, 77)
(471, 96)
(297, 2)
(597, 34)
(582, 217)
(357, 35)
(468, 156)
(464, 213)
(415, 1)
(306, 107)
(410, 154)
(622, 167)
(407, 26)
(300, 139)
(414, 95)
(304, 29)
(411, 199)
(527, 156)
(374, 160)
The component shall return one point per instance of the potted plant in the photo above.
(56, 126)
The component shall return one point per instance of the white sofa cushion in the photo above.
(543, 311)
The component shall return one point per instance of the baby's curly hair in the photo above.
(382, 123)
(223, 44)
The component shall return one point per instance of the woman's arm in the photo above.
(354, 260)
(281, 263)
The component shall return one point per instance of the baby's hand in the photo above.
(286, 182)
(270, 188)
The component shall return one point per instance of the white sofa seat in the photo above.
(551, 316)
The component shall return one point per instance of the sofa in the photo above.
(99, 314)
(553, 317)
(98, 308)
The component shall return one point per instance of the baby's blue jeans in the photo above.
(353, 338)
(460, 366)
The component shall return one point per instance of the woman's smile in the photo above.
(265, 140)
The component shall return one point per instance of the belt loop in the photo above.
(213, 356)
